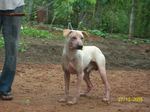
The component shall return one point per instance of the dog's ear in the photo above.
(66, 32)
(85, 34)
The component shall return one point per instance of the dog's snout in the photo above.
(80, 47)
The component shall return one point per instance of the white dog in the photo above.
(81, 60)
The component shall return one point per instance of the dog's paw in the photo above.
(62, 100)
(84, 94)
(72, 101)
(106, 100)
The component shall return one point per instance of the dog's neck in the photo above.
(70, 53)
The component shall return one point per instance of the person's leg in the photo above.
(10, 30)
(0, 32)
(0, 22)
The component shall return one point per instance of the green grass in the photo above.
(124, 37)
(118, 36)
(36, 33)
(98, 33)
(22, 45)
(1, 42)
(30, 32)
(138, 41)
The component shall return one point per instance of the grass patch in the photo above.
(118, 36)
(22, 45)
(124, 38)
(32, 32)
(36, 33)
(137, 41)
(98, 33)
(1, 42)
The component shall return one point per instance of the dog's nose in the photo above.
(80, 47)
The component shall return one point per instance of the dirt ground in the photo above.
(39, 81)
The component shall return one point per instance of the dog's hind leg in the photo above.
(100, 60)
(102, 72)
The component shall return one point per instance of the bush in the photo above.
(115, 22)
(1, 42)
(32, 32)
(98, 33)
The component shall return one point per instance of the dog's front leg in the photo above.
(78, 88)
(79, 81)
(67, 82)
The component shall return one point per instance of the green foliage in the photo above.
(137, 41)
(115, 16)
(32, 32)
(142, 26)
(124, 37)
(98, 33)
(110, 15)
(63, 8)
(1, 42)
(92, 1)
(115, 21)
(22, 46)
(38, 33)
(118, 36)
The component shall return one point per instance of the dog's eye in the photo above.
(74, 38)
(82, 38)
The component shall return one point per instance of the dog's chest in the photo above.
(72, 68)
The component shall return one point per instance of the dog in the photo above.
(81, 60)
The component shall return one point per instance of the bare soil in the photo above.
(39, 81)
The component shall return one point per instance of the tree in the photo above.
(132, 20)
(112, 16)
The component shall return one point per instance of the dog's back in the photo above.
(91, 54)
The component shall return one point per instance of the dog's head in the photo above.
(74, 38)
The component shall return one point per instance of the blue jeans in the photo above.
(10, 26)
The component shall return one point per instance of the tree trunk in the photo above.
(97, 14)
(42, 15)
(132, 20)
(30, 10)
